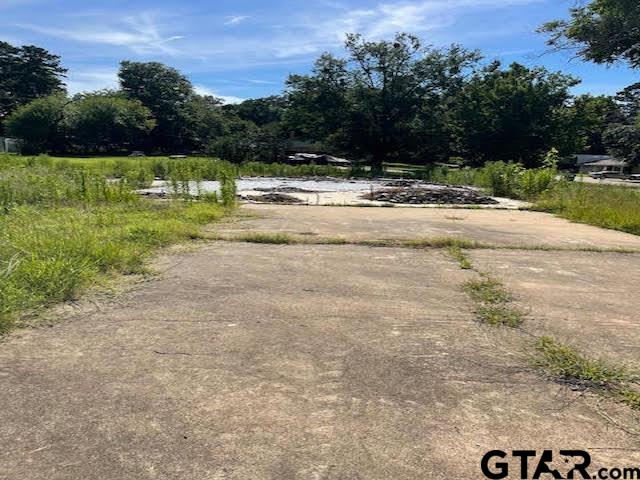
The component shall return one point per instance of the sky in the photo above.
(239, 49)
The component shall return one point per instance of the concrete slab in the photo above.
(510, 228)
(586, 299)
(284, 362)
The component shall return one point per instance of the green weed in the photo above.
(493, 302)
(462, 258)
(272, 238)
(566, 365)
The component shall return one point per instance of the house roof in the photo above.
(583, 159)
(610, 162)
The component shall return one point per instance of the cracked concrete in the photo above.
(245, 361)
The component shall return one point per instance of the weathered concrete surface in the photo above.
(286, 362)
(502, 227)
(586, 299)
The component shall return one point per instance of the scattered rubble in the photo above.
(273, 198)
(422, 196)
(285, 190)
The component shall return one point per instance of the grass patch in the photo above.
(458, 255)
(270, 238)
(441, 242)
(501, 315)
(493, 302)
(289, 239)
(451, 244)
(487, 290)
(607, 206)
(566, 365)
(64, 228)
(52, 255)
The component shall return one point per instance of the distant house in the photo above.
(599, 163)
(605, 165)
(582, 159)
(318, 159)
(9, 145)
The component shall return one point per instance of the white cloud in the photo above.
(140, 33)
(81, 81)
(272, 41)
(262, 82)
(228, 99)
(307, 34)
(235, 19)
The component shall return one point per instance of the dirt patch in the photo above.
(420, 196)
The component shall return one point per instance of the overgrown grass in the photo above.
(605, 206)
(493, 302)
(499, 179)
(566, 365)
(63, 228)
(52, 255)
(143, 170)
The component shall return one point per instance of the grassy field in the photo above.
(145, 169)
(65, 227)
(605, 206)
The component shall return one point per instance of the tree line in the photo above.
(383, 101)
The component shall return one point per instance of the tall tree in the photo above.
(368, 102)
(166, 92)
(27, 73)
(603, 31)
(107, 122)
(317, 105)
(513, 114)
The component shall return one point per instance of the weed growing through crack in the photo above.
(566, 365)
(458, 254)
(493, 302)
(487, 290)
(440, 242)
(269, 238)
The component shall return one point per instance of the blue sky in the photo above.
(241, 49)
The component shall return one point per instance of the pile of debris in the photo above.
(436, 195)
(273, 198)
(285, 189)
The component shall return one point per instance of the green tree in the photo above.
(623, 141)
(367, 104)
(39, 124)
(593, 115)
(205, 120)
(261, 111)
(27, 73)
(164, 91)
(513, 114)
(107, 122)
(603, 31)
(318, 107)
